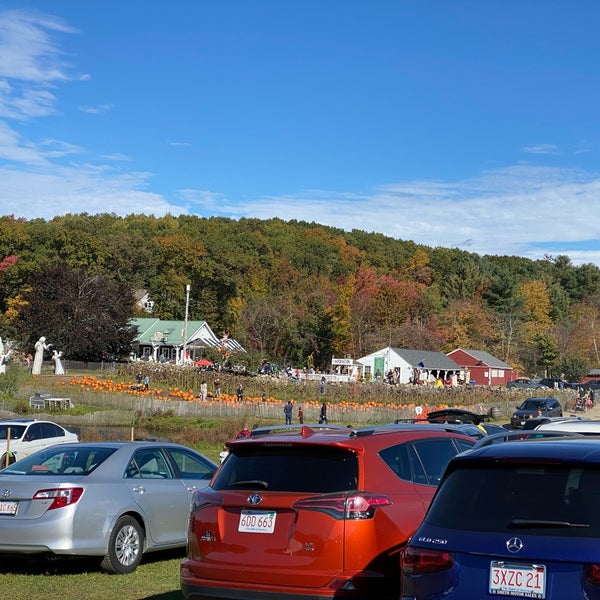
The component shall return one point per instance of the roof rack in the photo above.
(401, 424)
(305, 429)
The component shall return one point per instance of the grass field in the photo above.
(157, 578)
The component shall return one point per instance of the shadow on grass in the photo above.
(58, 565)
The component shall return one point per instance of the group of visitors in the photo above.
(288, 411)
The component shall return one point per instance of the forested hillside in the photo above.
(294, 292)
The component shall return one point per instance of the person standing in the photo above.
(146, 382)
(217, 388)
(300, 415)
(323, 414)
(240, 393)
(323, 385)
(287, 410)
(203, 390)
(244, 432)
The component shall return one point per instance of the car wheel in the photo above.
(125, 547)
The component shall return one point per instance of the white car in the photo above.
(28, 436)
(573, 425)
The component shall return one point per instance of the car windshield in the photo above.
(540, 499)
(289, 469)
(75, 460)
(16, 431)
(532, 404)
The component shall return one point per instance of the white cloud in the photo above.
(96, 110)
(541, 149)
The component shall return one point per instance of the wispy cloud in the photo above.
(541, 149)
(96, 110)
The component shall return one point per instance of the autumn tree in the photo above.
(83, 314)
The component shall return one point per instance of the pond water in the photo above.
(110, 433)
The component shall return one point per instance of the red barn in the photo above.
(481, 367)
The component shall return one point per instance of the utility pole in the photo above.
(185, 322)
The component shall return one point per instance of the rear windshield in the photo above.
(557, 500)
(533, 404)
(58, 460)
(289, 469)
(16, 431)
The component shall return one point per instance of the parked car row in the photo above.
(406, 510)
(552, 383)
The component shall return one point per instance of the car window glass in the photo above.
(280, 469)
(190, 466)
(148, 463)
(50, 430)
(463, 445)
(16, 431)
(34, 432)
(416, 466)
(434, 455)
(76, 460)
(396, 457)
(503, 498)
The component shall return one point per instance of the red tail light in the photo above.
(420, 561)
(357, 506)
(592, 573)
(60, 496)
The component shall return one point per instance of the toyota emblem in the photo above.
(6, 493)
(254, 499)
(514, 545)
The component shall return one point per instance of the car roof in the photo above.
(354, 437)
(580, 449)
(123, 444)
(22, 421)
(576, 425)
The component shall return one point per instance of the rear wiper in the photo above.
(546, 523)
(251, 483)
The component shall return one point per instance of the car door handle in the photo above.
(140, 489)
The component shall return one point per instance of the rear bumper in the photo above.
(194, 588)
(201, 592)
(194, 591)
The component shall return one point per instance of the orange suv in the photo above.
(314, 512)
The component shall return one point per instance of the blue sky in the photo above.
(464, 124)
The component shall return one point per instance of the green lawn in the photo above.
(157, 578)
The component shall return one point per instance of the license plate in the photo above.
(257, 521)
(8, 508)
(523, 581)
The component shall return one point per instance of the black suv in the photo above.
(535, 407)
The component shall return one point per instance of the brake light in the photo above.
(420, 561)
(592, 573)
(357, 506)
(60, 496)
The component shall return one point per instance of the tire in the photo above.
(125, 547)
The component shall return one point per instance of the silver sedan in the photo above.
(114, 500)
